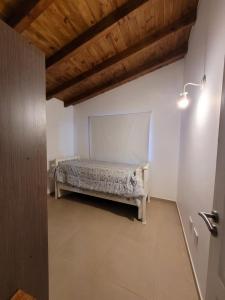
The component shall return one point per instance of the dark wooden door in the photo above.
(23, 204)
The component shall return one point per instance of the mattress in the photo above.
(112, 178)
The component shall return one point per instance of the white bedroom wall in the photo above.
(156, 92)
(199, 129)
(60, 131)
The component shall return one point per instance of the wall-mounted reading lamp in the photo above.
(183, 102)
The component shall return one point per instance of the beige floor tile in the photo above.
(99, 250)
(66, 282)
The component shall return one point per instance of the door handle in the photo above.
(214, 215)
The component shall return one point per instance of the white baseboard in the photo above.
(189, 254)
(163, 199)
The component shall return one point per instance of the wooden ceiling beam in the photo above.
(27, 13)
(105, 23)
(182, 23)
(134, 74)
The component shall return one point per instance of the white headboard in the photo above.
(57, 160)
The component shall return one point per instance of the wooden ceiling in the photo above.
(92, 46)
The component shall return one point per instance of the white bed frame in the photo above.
(140, 203)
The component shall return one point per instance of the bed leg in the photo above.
(143, 205)
(59, 192)
(139, 212)
(138, 201)
(56, 191)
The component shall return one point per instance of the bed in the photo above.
(117, 182)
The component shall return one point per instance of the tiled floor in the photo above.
(99, 251)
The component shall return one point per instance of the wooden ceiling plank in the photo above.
(134, 74)
(180, 24)
(26, 14)
(105, 23)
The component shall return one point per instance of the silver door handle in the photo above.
(214, 215)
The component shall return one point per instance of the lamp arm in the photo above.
(190, 83)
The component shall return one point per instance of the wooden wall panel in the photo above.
(23, 203)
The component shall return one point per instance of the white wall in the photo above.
(60, 130)
(156, 92)
(199, 128)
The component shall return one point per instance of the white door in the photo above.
(216, 270)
